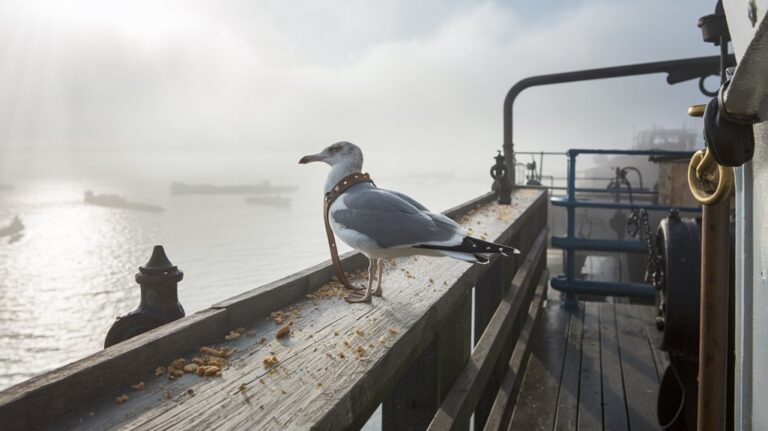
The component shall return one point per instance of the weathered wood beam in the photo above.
(463, 397)
(501, 411)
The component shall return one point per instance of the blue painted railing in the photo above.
(568, 283)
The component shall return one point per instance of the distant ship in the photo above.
(274, 201)
(115, 201)
(14, 228)
(178, 188)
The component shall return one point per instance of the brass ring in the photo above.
(701, 165)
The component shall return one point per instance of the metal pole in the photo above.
(713, 325)
(570, 260)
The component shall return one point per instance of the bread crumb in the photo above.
(191, 368)
(283, 331)
(233, 335)
(392, 331)
(270, 361)
(359, 332)
(159, 371)
(138, 386)
(121, 399)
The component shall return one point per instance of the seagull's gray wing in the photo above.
(392, 221)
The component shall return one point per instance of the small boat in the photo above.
(274, 201)
(178, 188)
(14, 228)
(115, 201)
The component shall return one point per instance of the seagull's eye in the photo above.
(334, 149)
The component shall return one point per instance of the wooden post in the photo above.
(713, 323)
(413, 402)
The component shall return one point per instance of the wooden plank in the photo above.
(463, 397)
(503, 403)
(640, 377)
(488, 294)
(45, 398)
(536, 402)
(590, 390)
(660, 357)
(568, 396)
(415, 399)
(308, 388)
(454, 349)
(614, 404)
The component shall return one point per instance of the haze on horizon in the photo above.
(265, 81)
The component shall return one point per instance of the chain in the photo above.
(637, 219)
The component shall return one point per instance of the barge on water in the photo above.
(513, 344)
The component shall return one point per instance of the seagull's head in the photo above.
(337, 154)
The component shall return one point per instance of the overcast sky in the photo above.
(427, 76)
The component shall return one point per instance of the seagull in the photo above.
(385, 224)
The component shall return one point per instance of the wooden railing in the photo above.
(411, 350)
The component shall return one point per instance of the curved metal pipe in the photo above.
(677, 71)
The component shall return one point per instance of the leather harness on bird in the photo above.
(330, 197)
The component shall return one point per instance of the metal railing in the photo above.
(570, 243)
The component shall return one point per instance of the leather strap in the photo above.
(330, 197)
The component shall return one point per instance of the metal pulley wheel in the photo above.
(678, 247)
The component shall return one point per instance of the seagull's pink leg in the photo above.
(354, 297)
(380, 273)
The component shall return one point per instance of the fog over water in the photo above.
(126, 97)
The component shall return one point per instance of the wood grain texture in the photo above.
(568, 396)
(312, 386)
(590, 389)
(461, 401)
(614, 404)
(498, 417)
(640, 378)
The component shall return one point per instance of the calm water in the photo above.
(63, 283)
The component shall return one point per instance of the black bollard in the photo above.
(159, 304)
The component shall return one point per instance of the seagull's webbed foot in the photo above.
(356, 297)
(354, 288)
(378, 291)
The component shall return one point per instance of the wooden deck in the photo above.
(598, 367)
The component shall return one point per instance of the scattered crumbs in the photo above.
(190, 391)
(262, 381)
(198, 361)
(138, 386)
(359, 332)
(332, 289)
(282, 391)
(336, 333)
(392, 330)
(233, 335)
(121, 399)
(346, 343)
(283, 331)
(270, 361)
(360, 351)
(315, 349)
(341, 355)
(329, 355)
(381, 340)
(191, 368)
(431, 280)
(262, 340)
(243, 387)
(159, 371)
